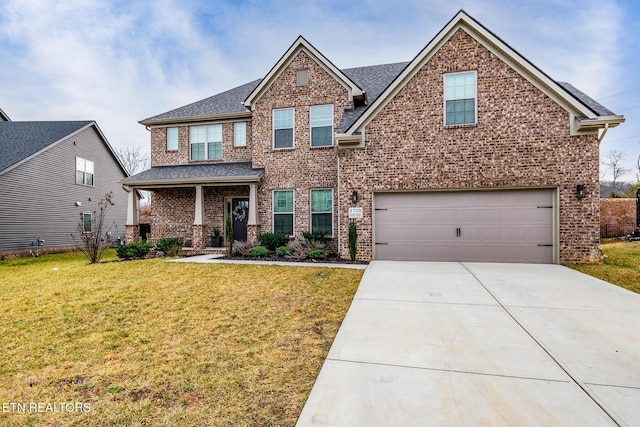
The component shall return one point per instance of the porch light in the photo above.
(354, 196)
(581, 191)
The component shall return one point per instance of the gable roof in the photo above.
(581, 107)
(228, 103)
(4, 117)
(302, 45)
(21, 140)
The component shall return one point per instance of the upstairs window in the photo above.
(240, 134)
(460, 98)
(283, 128)
(283, 212)
(172, 139)
(84, 171)
(206, 142)
(321, 125)
(322, 211)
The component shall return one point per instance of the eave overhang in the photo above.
(191, 182)
(196, 119)
(585, 123)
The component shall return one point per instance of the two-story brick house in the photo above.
(467, 152)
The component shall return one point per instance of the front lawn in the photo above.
(621, 266)
(158, 343)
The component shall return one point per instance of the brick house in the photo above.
(467, 152)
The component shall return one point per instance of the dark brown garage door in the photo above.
(487, 226)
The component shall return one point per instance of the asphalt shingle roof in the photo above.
(19, 140)
(372, 79)
(196, 171)
(228, 102)
(592, 104)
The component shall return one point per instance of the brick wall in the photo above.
(521, 139)
(161, 156)
(301, 168)
(618, 211)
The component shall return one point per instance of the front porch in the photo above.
(194, 204)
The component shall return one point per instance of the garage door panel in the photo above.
(494, 226)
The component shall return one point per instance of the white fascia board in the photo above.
(190, 182)
(301, 45)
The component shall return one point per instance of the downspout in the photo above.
(604, 132)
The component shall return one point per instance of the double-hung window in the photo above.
(322, 211)
(84, 171)
(460, 98)
(172, 139)
(206, 142)
(321, 121)
(283, 212)
(240, 134)
(283, 128)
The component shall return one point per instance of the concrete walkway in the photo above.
(470, 344)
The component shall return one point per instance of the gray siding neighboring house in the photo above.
(39, 195)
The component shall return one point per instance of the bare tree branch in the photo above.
(614, 162)
(132, 158)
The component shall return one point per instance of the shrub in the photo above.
(258, 251)
(284, 251)
(317, 253)
(133, 250)
(353, 238)
(273, 240)
(298, 249)
(317, 237)
(171, 246)
(243, 248)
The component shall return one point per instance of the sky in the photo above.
(121, 61)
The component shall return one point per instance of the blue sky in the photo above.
(118, 62)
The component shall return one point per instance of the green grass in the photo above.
(621, 266)
(158, 343)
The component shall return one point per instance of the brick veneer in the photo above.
(301, 168)
(521, 140)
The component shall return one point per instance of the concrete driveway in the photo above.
(472, 344)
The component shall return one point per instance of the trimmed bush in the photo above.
(317, 253)
(228, 234)
(284, 251)
(258, 251)
(133, 250)
(273, 240)
(171, 246)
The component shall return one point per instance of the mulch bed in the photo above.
(329, 260)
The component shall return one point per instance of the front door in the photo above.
(240, 213)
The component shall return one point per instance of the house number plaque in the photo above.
(355, 212)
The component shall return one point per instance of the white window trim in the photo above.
(273, 210)
(84, 171)
(206, 143)
(333, 208)
(177, 139)
(273, 129)
(311, 128)
(444, 98)
(83, 222)
(235, 144)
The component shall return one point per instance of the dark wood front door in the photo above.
(240, 213)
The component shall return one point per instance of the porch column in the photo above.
(198, 226)
(253, 229)
(132, 227)
(253, 205)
